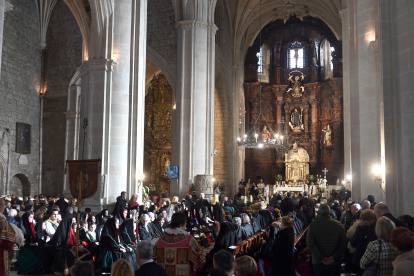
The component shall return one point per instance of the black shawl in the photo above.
(227, 236)
(127, 231)
(109, 237)
(218, 212)
(282, 253)
(157, 229)
(27, 230)
(62, 234)
(248, 230)
(100, 218)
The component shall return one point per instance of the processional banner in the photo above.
(88, 171)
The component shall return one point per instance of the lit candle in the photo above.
(281, 137)
(255, 135)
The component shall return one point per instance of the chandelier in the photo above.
(266, 137)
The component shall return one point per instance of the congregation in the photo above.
(199, 236)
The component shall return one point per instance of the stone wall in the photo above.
(161, 33)
(224, 166)
(63, 55)
(19, 88)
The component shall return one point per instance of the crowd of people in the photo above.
(193, 236)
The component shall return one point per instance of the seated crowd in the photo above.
(200, 236)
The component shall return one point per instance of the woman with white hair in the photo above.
(217, 209)
(143, 228)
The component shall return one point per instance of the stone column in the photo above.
(193, 132)
(204, 184)
(106, 96)
(137, 96)
(72, 130)
(4, 7)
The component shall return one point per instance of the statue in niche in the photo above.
(296, 86)
(168, 118)
(296, 123)
(327, 140)
(265, 133)
(148, 120)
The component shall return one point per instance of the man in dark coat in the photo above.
(189, 204)
(327, 241)
(61, 203)
(310, 205)
(147, 267)
(120, 206)
(87, 215)
(288, 205)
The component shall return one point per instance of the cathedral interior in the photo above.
(175, 83)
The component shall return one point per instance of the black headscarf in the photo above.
(127, 231)
(101, 218)
(109, 236)
(27, 229)
(62, 234)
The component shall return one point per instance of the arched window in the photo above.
(296, 56)
(264, 62)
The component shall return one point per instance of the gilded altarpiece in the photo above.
(312, 118)
(157, 143)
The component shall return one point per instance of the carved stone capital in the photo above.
(279, 104)
(204, 184)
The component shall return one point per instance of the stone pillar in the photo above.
(72, 131)
(137, 96)
(193, 132)
(106, 96)
(204, 184)
(4, 7)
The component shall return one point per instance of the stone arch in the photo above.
(221, 133)
(79, 12)
(19, 185)
(163, 65)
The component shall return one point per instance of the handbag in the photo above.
(373, 268)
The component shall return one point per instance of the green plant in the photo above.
(145, 193)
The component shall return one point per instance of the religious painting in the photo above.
(23, 138)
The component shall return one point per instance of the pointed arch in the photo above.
(163, 65)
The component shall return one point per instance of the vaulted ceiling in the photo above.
(246, 16)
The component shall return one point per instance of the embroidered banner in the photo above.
(89, 176)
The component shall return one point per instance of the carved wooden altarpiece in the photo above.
(157, 141)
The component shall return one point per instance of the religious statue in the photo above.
(265, 133)
(327, 136)
(296, 123)
(295, 147)
(296, 86)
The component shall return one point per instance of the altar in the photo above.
(290, 189)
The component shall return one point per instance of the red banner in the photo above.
(89, 175)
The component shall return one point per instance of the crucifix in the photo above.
(324, 172)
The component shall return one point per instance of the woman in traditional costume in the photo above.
(217, 209)
(177, 251)
(112, 244)
(128, 237)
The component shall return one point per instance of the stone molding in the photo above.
(191, 24)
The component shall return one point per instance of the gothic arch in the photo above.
(163, 65)
(79, 12)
